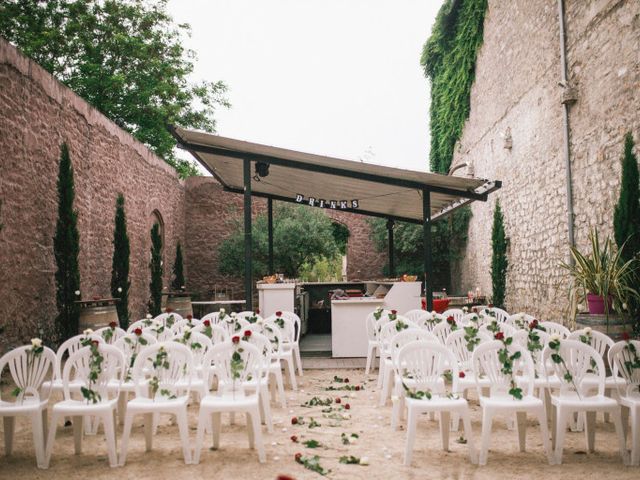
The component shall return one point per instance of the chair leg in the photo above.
(487, 420)
(625, 412)
(110, 435)
(296, 351)
(280, 384)
(217, 417)
(617, 421)
(262, 457)
(250, 430)
(544, 431)
(122, 406)
(396, 409)
(367, 368)
(386, 383)
(466, 423)
(292, 373)
(635, 436)
(203, 419)
(266, 408)
(77, 434)
(148, 430)
(521, 421)
(126, 433)
(562, 418)
(37, 427)
(156, 422)
(9, 428)
(590, 430)
(183, 428)
(51, 437)
(411, 436)
(445, 420)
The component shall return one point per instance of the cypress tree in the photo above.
(178, 271)
(626, 216)
(66, 247)
(120, 265)
(155, 287)
(499, 261)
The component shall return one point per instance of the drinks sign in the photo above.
(333, 204)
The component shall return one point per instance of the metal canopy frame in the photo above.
(460, 197)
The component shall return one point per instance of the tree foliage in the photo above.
(301, 235)
(66, 248)
(120, 282)
(626, 216)
(125, 57)
(499, 261)
(155, 265)
(449, 61)
(178, 282)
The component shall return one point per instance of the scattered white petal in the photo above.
(380, 417)
(364, 461)
(290, 411)
(284, 429)
(353, 395)
(387, 456)
(276, 458)
(274, 444)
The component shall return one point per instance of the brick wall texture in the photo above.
(37, 114)
(516, 88)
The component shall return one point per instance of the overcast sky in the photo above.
(333, 77)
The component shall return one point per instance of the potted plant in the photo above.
(601, 278)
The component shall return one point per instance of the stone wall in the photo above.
(37, 114)
(516, 88)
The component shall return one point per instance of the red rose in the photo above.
(207, 323)
(284, 477)
(235, 339)
(346, 380)
(298, 457)
(247, 333)
(394, 312)
(294, 438)
(138, 331)
(189, 317)
(533, 324)
(474, 309)
(258, 311)
(169, 310)
(113, 325)
(357, 388)
(347, 406)
(95, 343)
(499, 336)
(490, 305)
(461, 374)
(338, 400)
(450, 319)
(625, 336)
(294, 420)
(278, 314)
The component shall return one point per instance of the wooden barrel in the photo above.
(95, 316)
(615, 328)
(181, 305)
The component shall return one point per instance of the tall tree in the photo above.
(499, 261)
(626, 216)
(120, 265)
(125, 57)
(178, 271)
(155, 287)
(66, 247)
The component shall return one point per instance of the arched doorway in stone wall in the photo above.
(341, 235)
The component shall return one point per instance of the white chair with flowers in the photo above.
(373, 343)
(554, 328)
(28, 366)
(142, 324)
(456, 313)
(111, 333)
(292, 336)
(395, 325)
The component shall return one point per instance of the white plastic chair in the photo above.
(232, 396)
(212, 317)
(141, 324)
(456, 313)
(215, 333)
(442, 330)
(233, 325)
(292, 340)
(499, 314)
(417, 316)
(179, 327)
(264, 346)
(554, 328)
(576, 365)
(272, 365)
(162, 375)
(248, 315)
(110, 335)
(422, 364)
(486, 361)
(77, 369)
(372, 340)
(279, 353)
(623, 358)
(199, 344)
(168, 319)
(388, 331)
(519, 320)
(28, 371)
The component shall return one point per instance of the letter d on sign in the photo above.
(299, 198)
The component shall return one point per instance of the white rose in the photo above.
(346, 416)
(186, 330)
(434, 312)
(364, 461)
(352, 440)
(149, 316)
(234, 314)
(465, 309)
(36, 342)
(555, 337)
(119, 289)
(77, 292)
(88, 331)
(587, 331)
(395, 398)
(222, 310)
(624, 306)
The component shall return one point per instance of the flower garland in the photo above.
(452, 323)
(279, 320)
(377, 313)
(140, 340)
(507, 359)
(554, 344)
(186, 337)
(95, 368)
(630, 348)
(586, 337)
(471, 333)
(533, 340)
(207, 330)
(400, 325)
(107, 334)
(424, 394)
(34, 352)
(148, 320)
(161, 362)
(393, 315)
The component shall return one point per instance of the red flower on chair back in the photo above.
(278, 314)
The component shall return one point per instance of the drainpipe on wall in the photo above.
(568, 97)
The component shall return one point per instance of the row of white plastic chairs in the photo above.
(126, 369)
(541, 375)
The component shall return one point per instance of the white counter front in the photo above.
(274, 297)
(348, 325)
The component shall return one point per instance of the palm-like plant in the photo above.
(602, 272)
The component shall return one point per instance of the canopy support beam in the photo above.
(392, 260)
(248, 277)
(270, 234)
(428, 261)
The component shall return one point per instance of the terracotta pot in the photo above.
(596, 304)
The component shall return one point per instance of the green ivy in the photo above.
(155, 265)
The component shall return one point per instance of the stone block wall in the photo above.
(37, 114)
(516, 89)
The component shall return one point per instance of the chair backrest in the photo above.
(555, 328)
(261, 342)
(272, 332)
(625, 360)
(534, 340)
(110, 334)
(95, 371)
(456, 313)
(215, 333)
(519, 320)
(597, 340)
(391, 328)
(499, 314)
(182, 325)
(198, 343)
(159, 331)
(422, 363)
(212, 317)
(142, 324)
(417, 316)
(459, 346)
(168, 319)
(234, 364)
(442, 330)
(297, 324)
(163, 371)
(407, 336)
(505, 328)
(486, 361)
(71, 346)
(249, 316)
(130, 345)
(572, 361)
(285, 324)
(233, 324)
(29, 366)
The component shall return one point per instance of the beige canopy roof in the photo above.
(331, 182)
